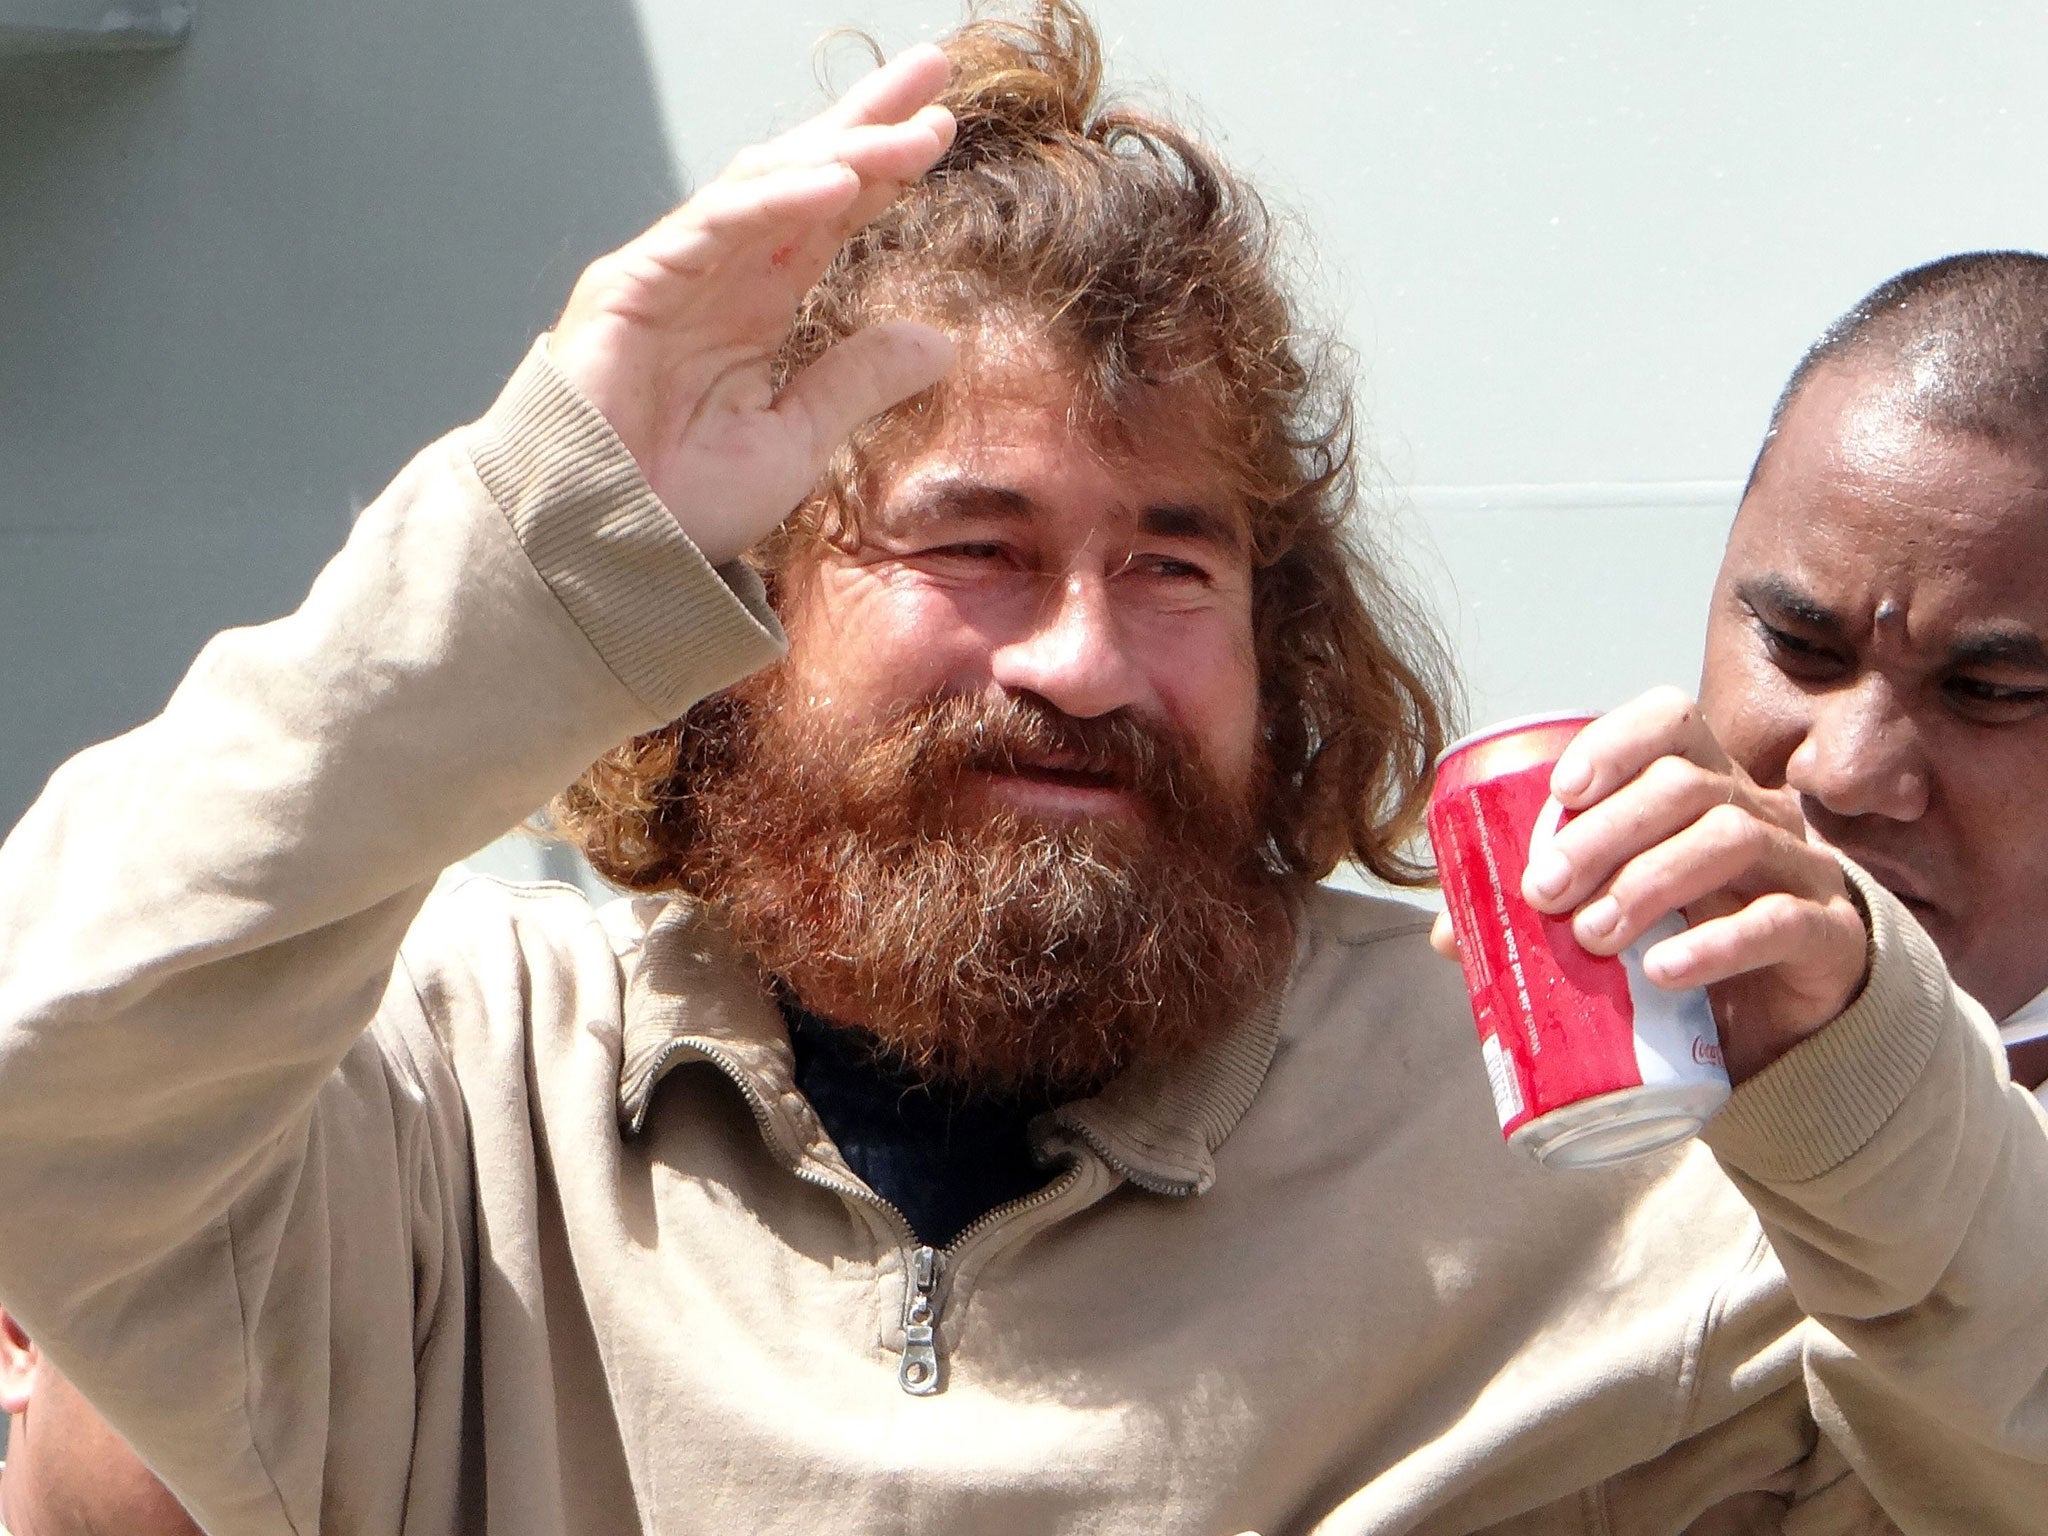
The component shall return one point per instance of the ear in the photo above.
(18, 1358)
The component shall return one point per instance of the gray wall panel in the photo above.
(240, 283)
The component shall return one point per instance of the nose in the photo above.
(1073, 655)
(1862, 755)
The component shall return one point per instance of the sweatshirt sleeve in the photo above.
(1903, 1181)
(199, 919)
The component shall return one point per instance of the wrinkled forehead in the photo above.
(1862, 498)
(1018, 417)
(1115, 414)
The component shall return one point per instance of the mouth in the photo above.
(1910, 889)
(1064, 768)
(1056, 786)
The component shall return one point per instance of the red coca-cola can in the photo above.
(1590, 1061)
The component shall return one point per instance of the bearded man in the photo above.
(983, 1121)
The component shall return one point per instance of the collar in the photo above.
(2027, 1022)
(694, 996)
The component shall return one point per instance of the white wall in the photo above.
(1576, 247)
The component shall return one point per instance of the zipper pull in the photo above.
(919, 1373)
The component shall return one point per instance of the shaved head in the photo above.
(1961, 344)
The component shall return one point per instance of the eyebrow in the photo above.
(2001, 647)
(962, 499)
(1192, 522)
(944, 499)
(1993, 646)
(1781, 599)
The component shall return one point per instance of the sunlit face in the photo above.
(1011, 555)
(1879, 642)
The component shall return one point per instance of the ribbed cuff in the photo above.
(1822, 1101)
(670, 626)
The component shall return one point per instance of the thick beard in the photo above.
(986, 949)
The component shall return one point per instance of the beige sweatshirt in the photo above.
(362, 1205)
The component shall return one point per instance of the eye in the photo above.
(971, 558)
(1166, 567)
(1797, 656)
(1993, 703)
(971, 564)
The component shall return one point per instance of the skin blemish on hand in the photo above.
(780, 256)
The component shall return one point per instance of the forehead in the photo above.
(1016, 435)
(1859, 501)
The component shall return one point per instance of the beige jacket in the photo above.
(365, 1205)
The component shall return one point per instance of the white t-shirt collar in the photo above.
(2027, 1022)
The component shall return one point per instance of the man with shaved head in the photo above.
(1879, 635)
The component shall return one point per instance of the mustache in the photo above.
(1020, 733)
(979, 944)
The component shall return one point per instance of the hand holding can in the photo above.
(1589, 1063)
(1654, 827)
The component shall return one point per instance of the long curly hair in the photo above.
(1133, 252)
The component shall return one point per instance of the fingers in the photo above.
(887, 167)
(888, 129)
(1779, 968)
(896, 153)
(749, 245)
(1721, 860)
(1665, 722)
(1638, 777)
(728, 219)
(1811, 942)
(803, 195)
(805, 192)
(861, 377)
(1441, 938)
(1662, 800)
(1665, 823)
(892, 92)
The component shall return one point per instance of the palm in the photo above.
(674, 336)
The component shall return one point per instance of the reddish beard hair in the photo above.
(983, 948)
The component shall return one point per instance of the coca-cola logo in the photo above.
(1706, 1053)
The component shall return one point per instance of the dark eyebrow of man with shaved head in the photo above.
(1779, 597)
(2003, 647)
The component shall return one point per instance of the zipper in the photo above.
(917, 1371)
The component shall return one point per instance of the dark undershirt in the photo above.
(942, 1157)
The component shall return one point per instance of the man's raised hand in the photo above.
(673, 336)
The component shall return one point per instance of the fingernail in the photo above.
(1667, 962)
(1570, 776)
(1598, 919)
(1546, 875)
